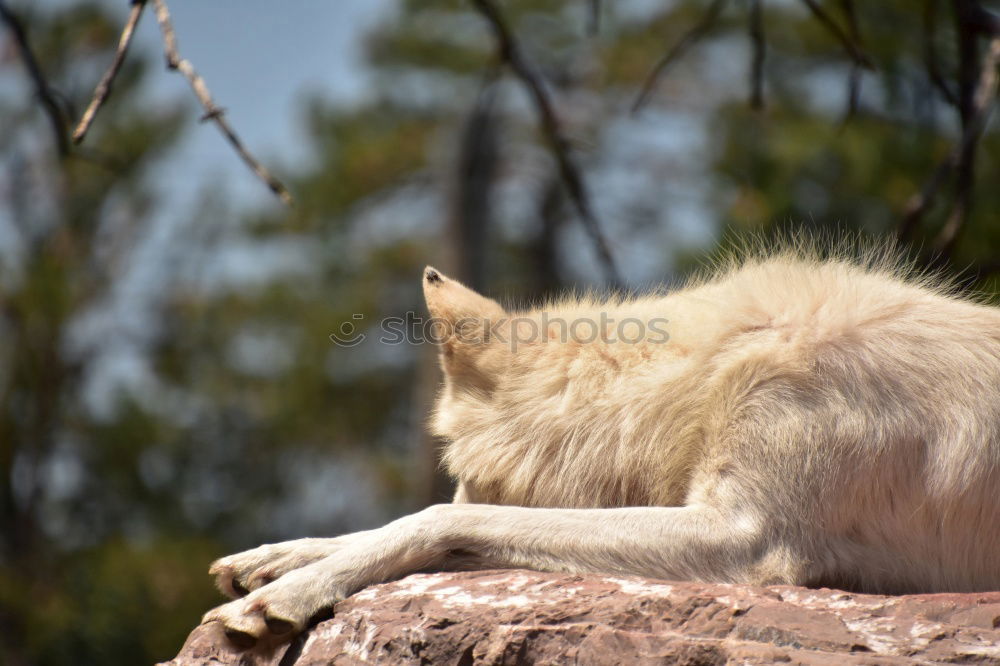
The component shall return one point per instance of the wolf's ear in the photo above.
(453, 302)
(471, 355)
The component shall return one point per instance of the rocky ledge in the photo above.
(526, 617)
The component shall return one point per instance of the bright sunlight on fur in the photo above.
(790, 417)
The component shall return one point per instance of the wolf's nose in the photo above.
(432, 275)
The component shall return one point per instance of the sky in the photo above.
(259, 59)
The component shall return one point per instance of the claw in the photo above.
(277, 626)
(225, 579)
(260, 578)
(270, 607)
(217, 567)
(238, 589)
(240, 639)
(242, 626)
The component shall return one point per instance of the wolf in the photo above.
(789, 419)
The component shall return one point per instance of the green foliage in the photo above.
(120, 603)
(361, 153)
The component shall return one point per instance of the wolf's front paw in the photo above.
(282, 609)
(238, 575)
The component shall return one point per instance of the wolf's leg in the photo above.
(238, 574)
(697, 543)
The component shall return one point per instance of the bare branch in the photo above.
(759, 51)
(854, 78)
(212, 112)
(46, 95)
(931, 61)
(983, 20)
(594, 19)
(974, 119)
(687, 40)
(968, 73)
(852, 47)
(962, 153)
(103, 89)
(471, 217)
(920, 203)
(986, 91)
(510, 53)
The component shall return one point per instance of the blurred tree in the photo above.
(801, 163)
(76, 524)
(96, 566)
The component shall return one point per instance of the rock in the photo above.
(526, 617)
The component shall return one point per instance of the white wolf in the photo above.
(801, 421)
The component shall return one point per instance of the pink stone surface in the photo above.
(527, 617)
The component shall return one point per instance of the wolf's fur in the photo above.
(808, 421)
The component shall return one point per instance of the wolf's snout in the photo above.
(432, 275)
